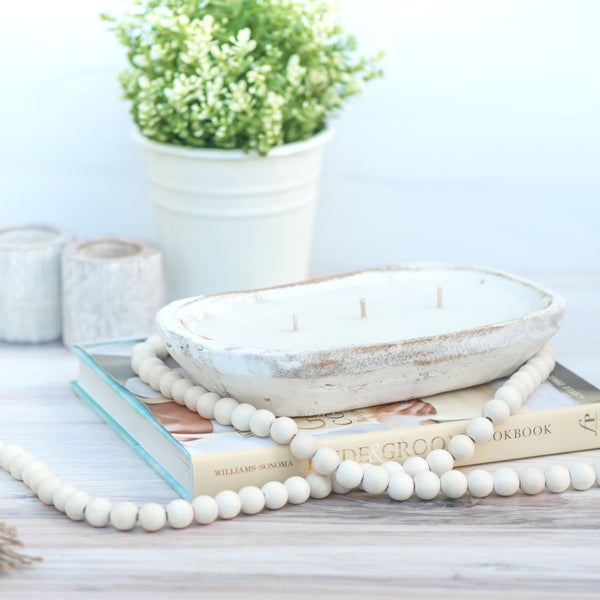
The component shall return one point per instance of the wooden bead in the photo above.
(46, 489)
(461, 447)
(583, 476)
(165, 385)
(30, 469)
(597, 469)
(440, 461)
(427, 485)
(392, 467)
(283, 429)
(548, 350)
(558, 479)
(61, 496)
(152, 517)
(401, 487)
(155, 376)
(375, 480)
(206, 403)
(325, 461)
(18, 462)
(8, 453)
(480, 483)
(229, 504)
(240, 416)
(192, 396)
(123, 516)
(480, 430)
(336, 487)
(533, 373)
(526, 379)
(180, 513)
(506, 482)
(146, 366)
(521, 386)
(139, 353)
(511, 395)
(349, 474)
(532, 480)
(223, 409)
(252, 499)
(303, 445)
(260, 422)
(276, 495)
(75, 506)
(158, 346)
(497, 411)
(414, 465)
(38, 477)
(97, 512)
(180, 387)
(298, 489)
(206, 509)
(453, 484)
(320, 486)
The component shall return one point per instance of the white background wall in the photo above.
(481, 145)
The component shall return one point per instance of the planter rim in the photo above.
(234, 154)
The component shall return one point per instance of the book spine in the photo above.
(536, 433)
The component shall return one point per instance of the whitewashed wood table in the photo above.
(352, 547)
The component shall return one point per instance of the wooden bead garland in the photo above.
(423, 477)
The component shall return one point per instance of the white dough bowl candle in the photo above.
(361, 339)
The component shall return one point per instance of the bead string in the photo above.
(423, 477)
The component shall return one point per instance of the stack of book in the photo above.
(197, 456)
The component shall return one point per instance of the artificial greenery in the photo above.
(249, 74)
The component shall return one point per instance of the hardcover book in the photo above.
(199, 456)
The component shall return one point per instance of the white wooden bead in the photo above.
(229, 504)
(147, 365)
(180, 513)
(152, 517)
(18, 463)
(548, 350)
(544, 364)
(206, 509)
(532, 480)
(180, 387)
(506, 482)
(401, 487)
(123, 516)
(260, 422)
(349, 474)
(336, 487)
(453, 484)
(97, 512)
(30, 469)
(537, 367)
(461, 447)
(427, 485)
(75, 506)
(480, 430)
(511, 395)
(533, 373)
(276, 495)
(192, 395)
(283, 429)
(205, 406)
(155, 376)
(364, 467)
(298, 489)
(392, 467)
(140, 355)
(38, 477)
(240, 416)
(252, 499)
(527, 380)
(375, 480)
(597, 469)
(165, 385)
(414, 465)
(320, 486)
(46, 489)
(303, 445)
(8, 453)
(480, 483)
(583, 476)
(325, 461)
(440, 461)
(497, 411)
(61, 495)
(558, 479)
(158, 346)
(223, 409)
(521, 386)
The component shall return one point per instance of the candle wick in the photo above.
(295, 321)
(439, 296)
(363, 308)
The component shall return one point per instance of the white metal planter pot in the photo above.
(231, 221)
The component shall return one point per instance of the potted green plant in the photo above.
(231, 99)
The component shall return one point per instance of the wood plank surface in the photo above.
(355, 546)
